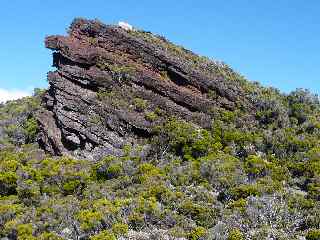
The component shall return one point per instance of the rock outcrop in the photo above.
(113, 86)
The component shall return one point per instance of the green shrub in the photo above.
(8, 209)
(244, 191)
(256, 166)
(114, 171)
(12, 130)
(313, 234)
(49, 236)
(239, 204)
(235, 234)
(221, 170)
(104, 235)
(28, 190)
(8, 182)
(202, 214)
(71, 186)
(300, 202)
(158, 111)
(89, 219)
(136, 221)
(105, 94)
(115, 68)
(147, 205)
(65, 175)
(197, 233)
(31, 129)
(105, 206)
(147, 171)
(314, 190)
(228, 116)
(25, 231)
(313, 165)
(140, 104)
(120, 229)
(187, 140)
(151, 116)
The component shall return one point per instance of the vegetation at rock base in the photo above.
(198, 188)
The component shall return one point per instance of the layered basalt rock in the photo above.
(113, 86)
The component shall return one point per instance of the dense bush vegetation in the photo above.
(230, 181)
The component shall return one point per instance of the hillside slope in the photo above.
(137, 138)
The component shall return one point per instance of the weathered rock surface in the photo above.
(112, 86)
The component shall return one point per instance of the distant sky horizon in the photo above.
(274, 43)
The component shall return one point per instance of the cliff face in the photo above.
(112, 86)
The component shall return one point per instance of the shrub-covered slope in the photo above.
(147, 140)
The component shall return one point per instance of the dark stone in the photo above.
(96, 58)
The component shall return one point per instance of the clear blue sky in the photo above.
(274, 42)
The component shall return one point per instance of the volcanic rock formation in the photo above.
(113, 86)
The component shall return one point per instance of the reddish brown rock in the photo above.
(105, 72)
